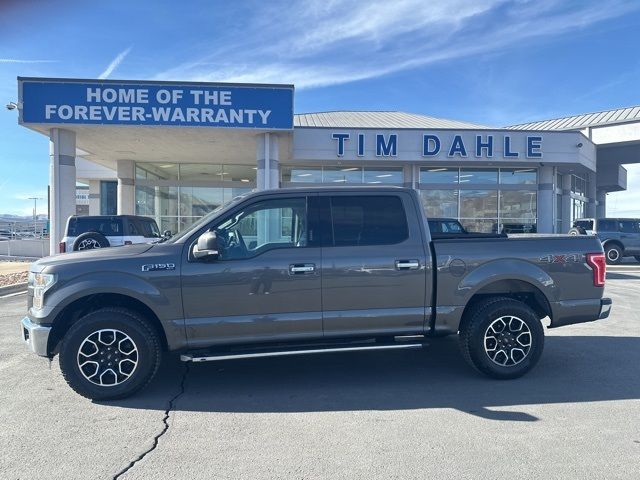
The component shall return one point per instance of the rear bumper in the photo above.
(569, 312)
(35, 336)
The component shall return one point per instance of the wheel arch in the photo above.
(520, 290)
(75, 310)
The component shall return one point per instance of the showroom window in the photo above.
(342, 175)
(176, 195)
(483, 199)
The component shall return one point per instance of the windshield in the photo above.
(206, 219)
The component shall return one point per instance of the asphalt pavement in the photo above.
(382, 415)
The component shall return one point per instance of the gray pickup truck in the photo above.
(300, 271)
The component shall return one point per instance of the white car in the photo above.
(101, 231)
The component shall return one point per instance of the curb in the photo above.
(15, 288)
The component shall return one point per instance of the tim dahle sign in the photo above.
(201, 105)
(460, 145)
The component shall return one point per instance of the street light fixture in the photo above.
(35, 213)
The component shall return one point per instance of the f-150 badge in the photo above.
(153, 267)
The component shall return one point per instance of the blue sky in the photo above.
(492, 62)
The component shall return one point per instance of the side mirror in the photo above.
(166, 234)
(206, 246)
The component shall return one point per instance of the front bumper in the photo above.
(35, 336)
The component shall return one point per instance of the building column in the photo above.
(601, 206)
(94, 197)
(62, 180)
(591, 194)
(566, 202)
(268, 162)
(125, 172)
(545, 200)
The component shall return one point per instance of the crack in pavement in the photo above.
(165, 421)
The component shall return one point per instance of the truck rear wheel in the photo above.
(502, 338)
(109, 354)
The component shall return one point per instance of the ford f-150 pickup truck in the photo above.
(301, 271)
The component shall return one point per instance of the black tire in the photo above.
(577, 231)
(147, 355)
(90, 241)
(489, 313)
(612, 254)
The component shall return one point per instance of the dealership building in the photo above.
(176, 150)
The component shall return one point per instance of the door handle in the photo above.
(302, 268)
(407, 264)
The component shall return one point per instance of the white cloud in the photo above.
(327, 42)
(114, 64)
(21, 60)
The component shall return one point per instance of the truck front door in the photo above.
(265, 285)
(375, 276)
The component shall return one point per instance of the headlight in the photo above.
(41, 283)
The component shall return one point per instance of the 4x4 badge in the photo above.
(152, 267)
(566, 258)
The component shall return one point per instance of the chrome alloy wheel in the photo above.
(107, 357)
(88, 244)
(507, 341)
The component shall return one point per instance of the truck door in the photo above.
(265, 285)
(374, 265)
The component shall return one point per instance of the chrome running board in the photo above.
(190, 357)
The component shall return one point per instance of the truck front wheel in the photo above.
(502, 338)
(110, 353)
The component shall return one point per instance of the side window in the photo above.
(435, 226)
(454, 227)
(133, 227)
(607, 226)
(149, 229)
(368, 220)
(263, 226)
(629, 226)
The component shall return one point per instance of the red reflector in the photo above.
(599, 266)
(62, 247)
(128, 242)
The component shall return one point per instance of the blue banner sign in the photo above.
(193, 105)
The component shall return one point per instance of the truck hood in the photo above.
(112, 253)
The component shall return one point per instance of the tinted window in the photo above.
(149, 228)
(587, 224)
(368, 220)
(629, 226)
(603, 226)
(451, 227)
(109, 227)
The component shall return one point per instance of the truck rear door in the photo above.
(374, 264)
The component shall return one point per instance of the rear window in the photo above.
(109, 227)
(586, 224)
(368, 220)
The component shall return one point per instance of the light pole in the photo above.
(35, 214)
